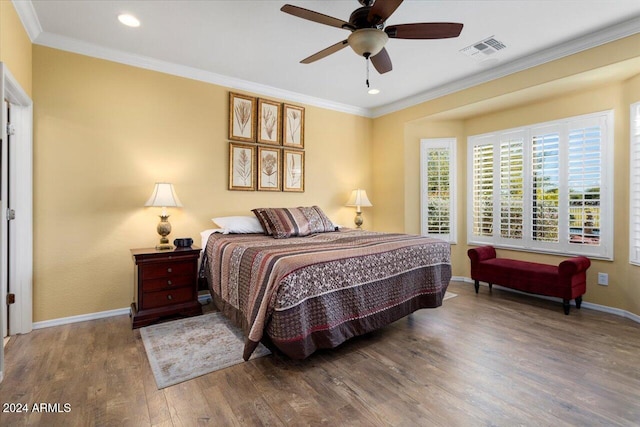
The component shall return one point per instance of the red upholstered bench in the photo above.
(567, 280)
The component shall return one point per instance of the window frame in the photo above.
(563, 128)
(450, 145)
(634, 184)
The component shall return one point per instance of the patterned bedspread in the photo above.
(313, 292)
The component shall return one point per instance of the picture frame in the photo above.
(242, 172)
(293, 170)
(269, 165)
(293, 126)
(269, 122)
(242, 117)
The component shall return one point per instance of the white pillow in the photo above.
(239, 224)
(204, 236)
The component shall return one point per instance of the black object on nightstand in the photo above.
(166, 284)
(183, 242)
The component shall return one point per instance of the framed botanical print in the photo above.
(241, 167)
(242, 117)
(293, 126)
(269, 169)
(293, 174)
(269, 122)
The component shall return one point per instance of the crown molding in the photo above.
(77, 46)
(30, 21)
(591, 40)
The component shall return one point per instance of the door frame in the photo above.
(21, 200)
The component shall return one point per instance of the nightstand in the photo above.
(166, 284)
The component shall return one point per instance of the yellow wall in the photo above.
(567, 87)
(105, 132)
(15, 46)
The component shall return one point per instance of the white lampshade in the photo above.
(359, 198)
(164, 196)
(368, 40)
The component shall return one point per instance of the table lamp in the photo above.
(164, 196)
(359, 199)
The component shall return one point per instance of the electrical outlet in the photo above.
(603, 279)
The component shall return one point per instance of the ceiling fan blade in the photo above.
(325, 52)
(382, 62)
(426, 30)
(315, 16)
(381, 10)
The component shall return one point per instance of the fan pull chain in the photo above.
(367, 72)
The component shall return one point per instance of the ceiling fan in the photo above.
(368, 32)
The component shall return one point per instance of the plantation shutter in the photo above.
(546, 183)
(438, 200)
(584, 182)
(437, 188)
(634, 235)
(511, 188)
(482, 190)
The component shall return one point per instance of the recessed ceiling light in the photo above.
(129, 20)
(374, 91)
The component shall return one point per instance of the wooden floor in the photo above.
(489, 359)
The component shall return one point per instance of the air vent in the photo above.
(483, 49)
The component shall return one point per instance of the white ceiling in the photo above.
(252, 45)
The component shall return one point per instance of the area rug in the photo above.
(188, 348)
(448, 295)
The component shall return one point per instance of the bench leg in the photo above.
(566, 306)
(578, 302)
(490, 287)
(476, 284)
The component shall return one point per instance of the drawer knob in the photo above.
(169, 269)
(169, 282)
(169, 297)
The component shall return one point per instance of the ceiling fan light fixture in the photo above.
(129, 20)
(367, 42)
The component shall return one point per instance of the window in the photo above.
(437, 188)
(634, 198)
(511, 186)
(482, 190)
(545, 161)
(545, 187)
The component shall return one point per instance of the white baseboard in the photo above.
(612, 310)
(606, 309)
(80, 318)
(204, 298)
(207, 298)
(94, 316)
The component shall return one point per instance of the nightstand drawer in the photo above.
(168, 297)
(166, 283)
(168, 269)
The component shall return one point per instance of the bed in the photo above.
(296, 282)
(301, 294)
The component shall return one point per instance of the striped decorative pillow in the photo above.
(260, 213)
(282, 223)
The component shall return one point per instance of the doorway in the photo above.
(5, 148)
(16, 193)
